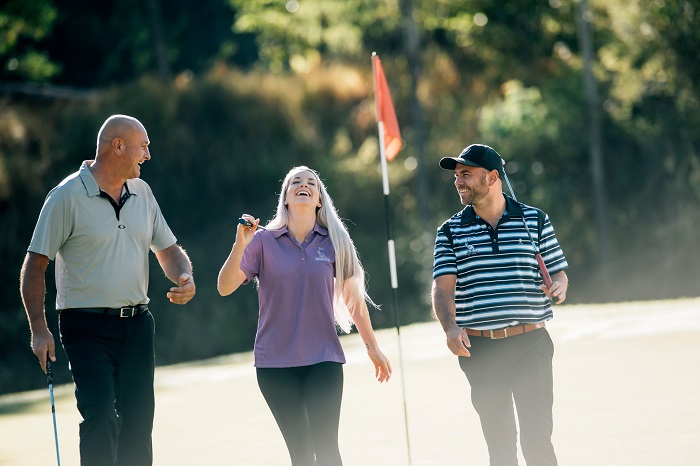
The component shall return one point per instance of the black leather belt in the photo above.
(126, 311)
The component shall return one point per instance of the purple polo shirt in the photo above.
(296, 326)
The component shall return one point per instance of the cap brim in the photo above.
(450, 163)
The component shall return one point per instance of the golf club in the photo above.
(543, 268)
(49, 377)
(247, 223)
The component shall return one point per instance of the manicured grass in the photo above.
(626, 378)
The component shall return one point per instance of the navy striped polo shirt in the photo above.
(498, 279)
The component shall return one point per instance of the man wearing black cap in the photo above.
(489, 296)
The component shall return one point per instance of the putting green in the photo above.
(625, 376)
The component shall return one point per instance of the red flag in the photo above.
(385, 111)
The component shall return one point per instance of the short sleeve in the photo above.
(54, 226)
(552, 253)
(444, 259)
(163, 236)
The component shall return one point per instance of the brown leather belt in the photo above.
(504, 332)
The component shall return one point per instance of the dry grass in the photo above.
(626, 378)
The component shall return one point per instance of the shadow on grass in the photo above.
(19, 407)
(33, 401)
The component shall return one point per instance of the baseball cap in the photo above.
(475, 155)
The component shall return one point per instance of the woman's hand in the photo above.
(382, 366)
(245, 233)
(231, 276)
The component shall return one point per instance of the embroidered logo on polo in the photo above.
(469, 250)
(320, 256)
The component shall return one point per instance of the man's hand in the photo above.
(43, 345)
(443, 298)
(458, 341)
(560, 284)
(184, 292)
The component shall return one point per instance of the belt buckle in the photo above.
(505, 334)
(128, 308)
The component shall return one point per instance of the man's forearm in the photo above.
(174, 262)
(33, 290)
(444, 308)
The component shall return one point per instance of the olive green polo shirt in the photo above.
(101, 255)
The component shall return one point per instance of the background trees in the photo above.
(234, 94)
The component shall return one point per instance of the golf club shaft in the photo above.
(545, 273)
(540, 261)
(49, 377)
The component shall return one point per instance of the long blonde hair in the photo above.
(347, 262)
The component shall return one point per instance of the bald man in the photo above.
(99, 224)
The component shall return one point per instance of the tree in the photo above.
(95, 44)
(24, 23)
(294, 35)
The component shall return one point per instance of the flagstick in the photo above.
(394, 280)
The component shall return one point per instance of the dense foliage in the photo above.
(234, 95)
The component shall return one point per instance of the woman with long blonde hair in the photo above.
(311, 283)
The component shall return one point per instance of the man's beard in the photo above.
(476, 193)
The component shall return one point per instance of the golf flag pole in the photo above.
(390, 144)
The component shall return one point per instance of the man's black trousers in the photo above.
(502, 371)
(112, 362)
